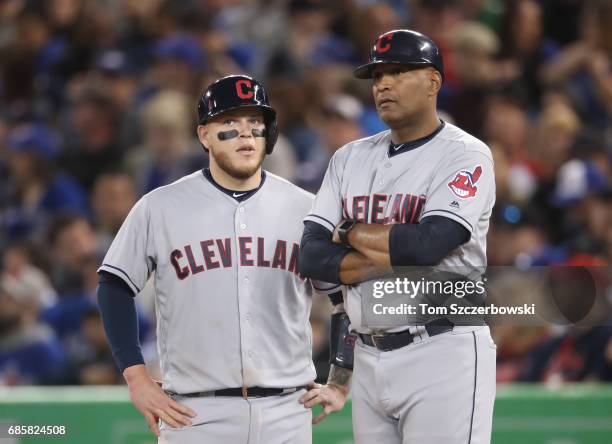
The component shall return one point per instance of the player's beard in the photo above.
(225, 164)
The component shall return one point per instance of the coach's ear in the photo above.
(435, 81)
(203, 134)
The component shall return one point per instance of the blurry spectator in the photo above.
(77, 27)
(179, 59)
(516, 341)
(117, 72)
(91, 355)
(248, 32)
(533, 177)
(367, 23)
(29, 351)
(282, 161)
(440, 20)
(476, 74)
(437, 19)
(24, 280)
(112, 199)
(506, 124)
(75, 256)
(488, 12)
(581, 190)
(24, 64)
(525, 44)
(92, 147)
(138, 29)
(293, 101)
(309, 41)
(584, 68)
(578, 355)
(587, 224)
(337, 124)
(516, 347)
(169, 149)
(36, 189)
(79, 24)
(517, 236)
(117, 76)
(556, 130)
(554, 351)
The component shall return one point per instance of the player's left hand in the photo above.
(331, 397)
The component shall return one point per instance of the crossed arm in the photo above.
(375, 249)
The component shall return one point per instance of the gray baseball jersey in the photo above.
(231, 308)
(449, 173)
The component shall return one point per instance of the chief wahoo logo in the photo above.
(464, 183)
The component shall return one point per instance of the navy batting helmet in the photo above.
(405, 47)
(238, 91)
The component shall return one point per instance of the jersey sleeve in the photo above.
(463, 189)
(131, 255)
(327, 207)
(325, 287)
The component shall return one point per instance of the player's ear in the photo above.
(203, 134)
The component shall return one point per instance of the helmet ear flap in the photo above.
(271, 131)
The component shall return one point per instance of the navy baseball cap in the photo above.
(181, 47)
(114, 61)
(33, 138)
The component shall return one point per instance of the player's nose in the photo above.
(245, 128)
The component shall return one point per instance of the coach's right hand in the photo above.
(148, 397)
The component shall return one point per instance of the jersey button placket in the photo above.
(244, 282)
(379, 180)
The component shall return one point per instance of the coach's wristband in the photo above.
(344, 228)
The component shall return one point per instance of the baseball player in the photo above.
(419, 194)
(233, 334)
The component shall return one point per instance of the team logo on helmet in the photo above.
(384, 46)
(464, 183)
(244, 89)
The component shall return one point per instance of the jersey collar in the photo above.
(236, 195)
(400, 148)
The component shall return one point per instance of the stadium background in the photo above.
(97, 107)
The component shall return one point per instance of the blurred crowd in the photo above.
(97, 107)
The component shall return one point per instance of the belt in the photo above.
(393, 341)
(245, 392)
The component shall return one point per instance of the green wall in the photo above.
(580, 414)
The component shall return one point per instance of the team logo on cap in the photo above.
(464, 183)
